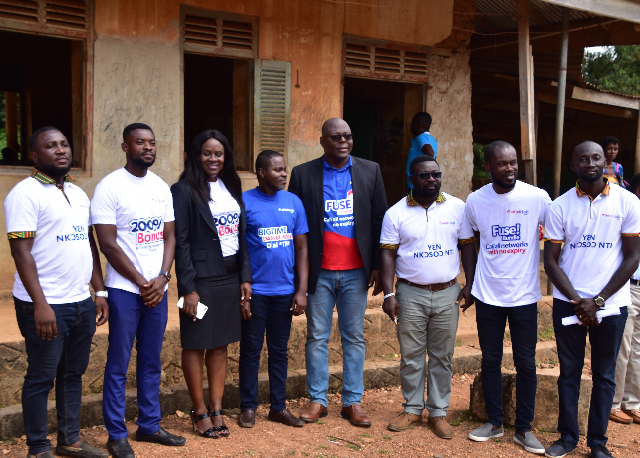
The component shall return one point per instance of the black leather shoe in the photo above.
(600, 451)
(286, 418)
(161, 437)
(120, 448)
(84, 450)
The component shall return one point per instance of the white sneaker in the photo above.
(486, 432)
(530, 443)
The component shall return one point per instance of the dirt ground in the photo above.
(268, 439)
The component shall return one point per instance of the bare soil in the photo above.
(268, 439)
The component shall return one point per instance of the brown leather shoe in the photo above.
(633, 414)
(314, 412)
(441, 427)
(619, 416)
(247, 418)
(355, 415)
(404, 421)
(285, 417)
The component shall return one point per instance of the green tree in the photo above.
(616, 69)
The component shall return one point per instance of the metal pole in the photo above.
(562, 89)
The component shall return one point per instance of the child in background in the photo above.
(612, 170)
(422, 142)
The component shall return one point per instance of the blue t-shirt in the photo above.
(272, 221)
(416, 150)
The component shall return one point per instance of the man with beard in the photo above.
(132, 210)
(599, 225)
(277, 240)
(420, 238)
(507, 213)
(48, 226)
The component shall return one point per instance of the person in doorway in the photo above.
(507, 214)
(279, 253)
(419, 242)
(626, 400)
(612, 170)
(212, 268)
(345, 202)
(599, 225)
(422, 141)
(51, 241)
(132, 212)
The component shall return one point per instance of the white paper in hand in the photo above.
(202, 309)
(600, 314)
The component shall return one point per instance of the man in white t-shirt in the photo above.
(626, 401)
(507, 213)
(49, 230)
(132, 211)
(419, 242)
(599, 225)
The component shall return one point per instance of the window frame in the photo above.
(86, 38)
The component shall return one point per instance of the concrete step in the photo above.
(378, 374)
(380, 337)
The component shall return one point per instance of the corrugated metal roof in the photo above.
(503, 14)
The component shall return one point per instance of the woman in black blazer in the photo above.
(212, 267)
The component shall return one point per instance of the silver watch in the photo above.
(104, 294)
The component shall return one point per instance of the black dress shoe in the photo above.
(120, 448)
(600, 451)
(84, 450)
(161, 437)
(286, 418)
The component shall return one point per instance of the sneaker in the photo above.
(486, 432)
(530, 443)
(559, 449)
(600, 451)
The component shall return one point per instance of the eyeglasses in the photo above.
(425, 175)
(337, 137)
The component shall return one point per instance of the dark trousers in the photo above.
(62, 359)
(571, 340)
(130, 319)
(273, 314)
(523, 326)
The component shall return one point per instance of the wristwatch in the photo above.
(166, 274)
(104, 294)
(599, 301)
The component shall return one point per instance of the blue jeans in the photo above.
(62, 359)
(130, 319)
(273, 314)
(346, 289)
(571, 340)
(523, 326)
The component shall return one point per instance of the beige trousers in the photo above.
(627, 378)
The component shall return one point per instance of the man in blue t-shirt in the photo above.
(277, 240)
(422, 142)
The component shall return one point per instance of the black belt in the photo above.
(635, 282)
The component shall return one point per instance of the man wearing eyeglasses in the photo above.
(420, 239)
(507, 214)
(345, 202)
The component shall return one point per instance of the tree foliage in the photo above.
(617, 69)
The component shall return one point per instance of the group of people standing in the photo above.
(246, 263)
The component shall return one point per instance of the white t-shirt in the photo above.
(427, 240)
(509, 259)
(591, 232)
(61, 247)
(226, 214)
(139, 207)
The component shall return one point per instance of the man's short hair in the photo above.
(264, 159)
(424, 119)
(606, 141)
(490, 149)
(420, 159)
(634, 184)
(135, 126)
(34, 136)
